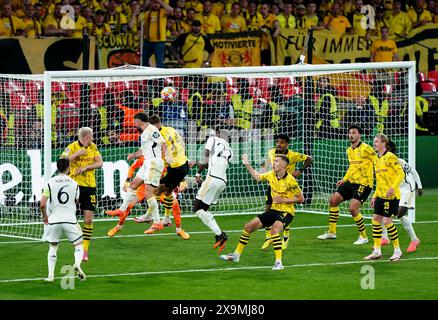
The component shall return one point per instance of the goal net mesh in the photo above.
(314, 109)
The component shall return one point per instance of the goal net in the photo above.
(312, 104)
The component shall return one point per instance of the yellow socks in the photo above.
(360, 222)
(333, 219)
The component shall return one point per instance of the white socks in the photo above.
(129, 197)
(384, 232)
(409, 228)
(79, 253)
(153, 206)
(207, 218)
(51, 259)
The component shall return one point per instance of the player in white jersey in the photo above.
(152, 147)
(58, 207)
(217, 157)
(408, 186)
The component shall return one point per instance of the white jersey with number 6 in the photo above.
(62, 193)
(220, 156)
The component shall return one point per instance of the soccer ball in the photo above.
(168, 94)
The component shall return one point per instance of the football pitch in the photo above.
(162, 266)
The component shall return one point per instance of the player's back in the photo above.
(220, 156)
(62, 192)
(408, 182)
(151, 142)
(175, 151)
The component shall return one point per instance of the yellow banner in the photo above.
(117, 50)
(329, 47)
(22, 55)
(236, 49)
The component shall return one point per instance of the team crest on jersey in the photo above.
(155, 135)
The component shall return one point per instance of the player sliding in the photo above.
(389, 175)
(411, 182)
(356, 185)
(217, 156)
(285, 191)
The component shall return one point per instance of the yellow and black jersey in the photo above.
(293, 157)
(192, 47)
(286, 187)
(389, 174)
(175, 155)
(88, 178)
(361, 160)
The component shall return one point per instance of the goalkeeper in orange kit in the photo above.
(125, 208)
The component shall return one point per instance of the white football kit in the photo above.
(216, 180)
(62, 193)
(409, 185)
(151, 142)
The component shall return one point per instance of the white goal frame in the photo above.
(293, 70)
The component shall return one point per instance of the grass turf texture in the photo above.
(166, 267)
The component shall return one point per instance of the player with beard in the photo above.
(356, 185)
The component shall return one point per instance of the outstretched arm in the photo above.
(251, 170)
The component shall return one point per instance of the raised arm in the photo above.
(251, 170)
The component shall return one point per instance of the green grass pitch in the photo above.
(134, 266)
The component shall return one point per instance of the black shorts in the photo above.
(268, 196)
(350, 190)
(386, 208)
(174, 176)
(87, 198)
(269, 217)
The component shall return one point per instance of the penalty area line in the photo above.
(304, 265)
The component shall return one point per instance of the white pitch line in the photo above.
(320, 264)
(196, 232)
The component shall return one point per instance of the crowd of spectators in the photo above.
(167, 20)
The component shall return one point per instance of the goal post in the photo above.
(250, 105)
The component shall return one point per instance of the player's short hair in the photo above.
(154, 119)
(62, 164)
(84, 131)
(283, 157)
(355, 126)
(383, 138)
(282, 136)
(141, 116)
(391, 147)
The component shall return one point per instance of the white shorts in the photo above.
(53, 232)
(407, 199)
(151, 171)
(210, 190)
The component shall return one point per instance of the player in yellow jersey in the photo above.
(282, 147)
(285, 192)
(386, 198)
(356, 185)
(177, 166)
(84, 159)
(123, 211)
